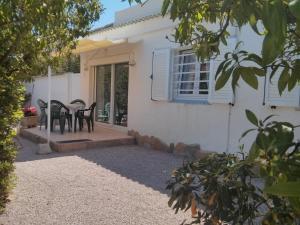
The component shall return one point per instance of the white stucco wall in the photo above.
(173, 122)
(65, 88)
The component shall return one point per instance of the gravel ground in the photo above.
(120, 185)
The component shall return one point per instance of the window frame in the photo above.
(176, 75)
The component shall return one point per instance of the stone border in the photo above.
(191, 152)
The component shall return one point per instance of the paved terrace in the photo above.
(109, 186)
(69, 141)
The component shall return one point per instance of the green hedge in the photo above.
(11, 98)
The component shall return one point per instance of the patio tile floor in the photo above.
(101, 137)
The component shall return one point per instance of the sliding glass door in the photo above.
(112, 93)
(121, 94)
(103, 93)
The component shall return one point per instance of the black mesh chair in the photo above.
(88, 116)
(43, 116)
(61, 113)
(82, 103)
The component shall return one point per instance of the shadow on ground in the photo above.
(145, 166)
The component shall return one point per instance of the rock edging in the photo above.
(189, 151)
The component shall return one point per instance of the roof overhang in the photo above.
(86, 45)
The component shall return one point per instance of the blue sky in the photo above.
(111, 6)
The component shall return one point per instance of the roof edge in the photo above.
(112, 26)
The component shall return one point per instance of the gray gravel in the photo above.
(120, 185)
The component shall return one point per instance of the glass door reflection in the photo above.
(103, 93)
(121, 94)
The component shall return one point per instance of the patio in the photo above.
(101, 137)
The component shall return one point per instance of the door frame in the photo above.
(110, 124)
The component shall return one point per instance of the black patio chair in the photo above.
(43, 116)
(61, 113)
(88, 116)
(81, 102)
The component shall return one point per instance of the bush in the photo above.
(262, 186)
(11, 100)
(34, 35)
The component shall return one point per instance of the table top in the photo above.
(74, 106)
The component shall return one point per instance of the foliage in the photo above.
(32, 34)
(279, 25)
(68, 63)
(11, 100)
(277, 22)
(27, 100)
(278, 157)
(227, 188)
(222, 184)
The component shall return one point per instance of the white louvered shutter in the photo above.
(161, 74)
(273, 98)
(224, 95)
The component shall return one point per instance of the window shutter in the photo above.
(161, 74)
(224, 95)
(273, 98)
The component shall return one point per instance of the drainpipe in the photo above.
(236, 35)
(69, 77)
(49, 104)
(228, 127)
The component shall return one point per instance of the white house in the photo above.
(142, 81)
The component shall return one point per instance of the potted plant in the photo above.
(30, 118)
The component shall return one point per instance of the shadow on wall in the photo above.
(147, 167)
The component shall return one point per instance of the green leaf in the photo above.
(165, 7)
(253, 23)
(283, 80)
(222, 80)
(226, 4)
(238, 45)
(254, 58)
(253, 152)
(288, 189)
(270, 50)
(268, 117)
(235, 78)
(223, 40)
(221, 67)
(295, 202)
(273, 72)
(246, 132)
(295, 75)
(294, 7)
(292, 80)
(251, 117)
(258, 71)
(249, 77)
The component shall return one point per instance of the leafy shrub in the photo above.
(69, 63)
(222, 184)
(27, 100)
(11, 100)
(262, 186)
(34, 34)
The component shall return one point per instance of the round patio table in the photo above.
(73, 109)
